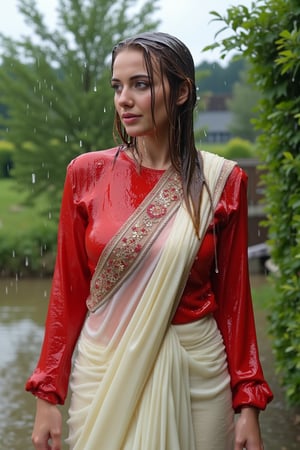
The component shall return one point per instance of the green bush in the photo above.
(238, 148)
(274, 58)
(27, 233)
(29, 254)
(6, 159)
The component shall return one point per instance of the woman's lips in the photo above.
(129, 119)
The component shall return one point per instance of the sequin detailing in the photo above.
(130, 244)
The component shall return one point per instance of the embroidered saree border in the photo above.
(132, 242)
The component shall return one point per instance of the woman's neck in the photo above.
(153, 154)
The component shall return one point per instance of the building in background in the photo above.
(214, 118)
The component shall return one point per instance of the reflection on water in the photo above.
(22, 313)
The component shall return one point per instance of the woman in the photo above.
(151, 280)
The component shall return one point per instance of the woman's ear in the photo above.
(183, 93)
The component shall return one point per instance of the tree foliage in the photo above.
(243, 107)
(55, 84)
(268, 36)
(212, 77)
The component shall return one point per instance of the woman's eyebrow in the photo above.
(134, 77)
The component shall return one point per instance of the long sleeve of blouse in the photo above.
(234, 313)
(67, 307)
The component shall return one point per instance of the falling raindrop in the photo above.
(49, 215)
(66, 138)
(104, 109)
(80, 143)
(13, 253)
(33, 178)
(204, 132)
(26, 261)
(95, 88)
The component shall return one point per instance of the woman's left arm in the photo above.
(247, 430)
(235, 316)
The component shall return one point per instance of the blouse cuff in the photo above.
(256, 395)
(44, 392)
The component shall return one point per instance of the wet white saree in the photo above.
(134, 381)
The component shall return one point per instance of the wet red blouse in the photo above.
(98, 197)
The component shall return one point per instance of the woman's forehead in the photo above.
(133, 59)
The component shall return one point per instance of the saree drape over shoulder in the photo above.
(127, 331)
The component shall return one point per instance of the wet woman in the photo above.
(151, 280)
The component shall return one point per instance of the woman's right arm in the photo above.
(70, 288)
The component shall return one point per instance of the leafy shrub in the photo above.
(32, 253)
(6, 159)
(238, 148)
(275, 70)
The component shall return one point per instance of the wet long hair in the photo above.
(175, 63)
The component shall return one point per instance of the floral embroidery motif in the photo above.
(133, 240)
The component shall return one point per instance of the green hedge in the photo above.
(6, 158)
(238, 148)
(268, 37)
(28, 254)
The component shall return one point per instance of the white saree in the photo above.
(138, 381)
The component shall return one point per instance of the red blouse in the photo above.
(99, 195)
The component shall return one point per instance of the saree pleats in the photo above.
(186, 402)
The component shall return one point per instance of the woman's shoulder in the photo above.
(93, 159)
(236, 173)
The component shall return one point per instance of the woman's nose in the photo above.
(125, 98)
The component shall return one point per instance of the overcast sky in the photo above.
(189, 20)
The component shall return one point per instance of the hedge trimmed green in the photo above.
(6, 158)
(268, 36)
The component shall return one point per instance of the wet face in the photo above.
(132, 98)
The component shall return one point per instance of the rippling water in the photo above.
(22, 312)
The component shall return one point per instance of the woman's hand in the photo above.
(247, 430)
(47, 428)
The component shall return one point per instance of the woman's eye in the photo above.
(116, 87)
(141, 84)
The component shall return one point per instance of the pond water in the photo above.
(22, 312)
